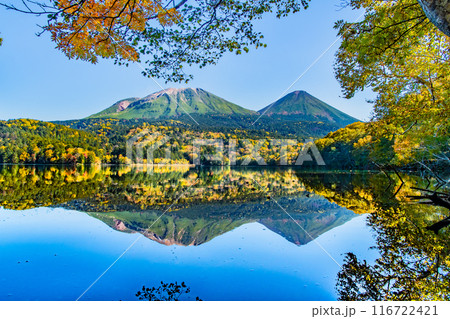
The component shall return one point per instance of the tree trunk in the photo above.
(438, 11)
(436, 227)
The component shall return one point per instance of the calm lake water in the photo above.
(254, 234)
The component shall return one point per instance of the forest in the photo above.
(103, 141)
(30, 141)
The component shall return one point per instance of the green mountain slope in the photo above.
(172, 103)
(301, 106)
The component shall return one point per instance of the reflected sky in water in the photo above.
(55, 254)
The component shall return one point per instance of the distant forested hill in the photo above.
(31, 141)
(273, 126)
(104, 141)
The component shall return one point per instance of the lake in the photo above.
(229, 234)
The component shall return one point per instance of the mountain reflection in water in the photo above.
(210, 202)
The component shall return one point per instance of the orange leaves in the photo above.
(94, 28)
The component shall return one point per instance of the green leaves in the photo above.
(399, 54)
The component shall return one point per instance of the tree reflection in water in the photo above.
(414, 257)
(165, 292)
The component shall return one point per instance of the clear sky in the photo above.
(37, 81)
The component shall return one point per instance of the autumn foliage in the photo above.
(91, 28)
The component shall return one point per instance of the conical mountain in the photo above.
(172, 103)
(302, 106)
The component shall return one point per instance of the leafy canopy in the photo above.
(164, 35)
(398, 53)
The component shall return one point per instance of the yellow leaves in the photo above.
(24, 157)
(48, 175)
(49, 154)
(404, 150)
(363, 141)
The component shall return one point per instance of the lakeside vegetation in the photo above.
(104, 141)
(357, 146)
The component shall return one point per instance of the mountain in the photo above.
(172, 103)
(297, 115)
(302, 106)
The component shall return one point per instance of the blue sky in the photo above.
(37, 81)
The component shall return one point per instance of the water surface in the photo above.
(260, 234)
